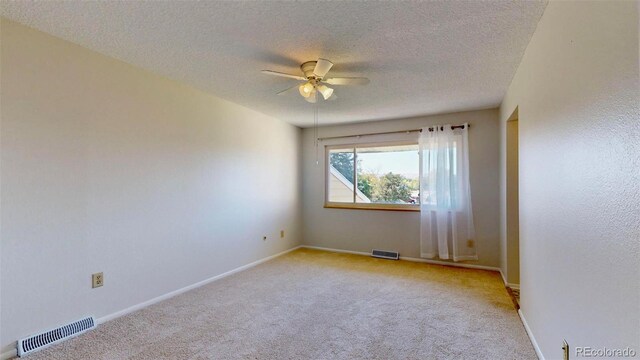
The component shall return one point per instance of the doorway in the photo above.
(513, 204)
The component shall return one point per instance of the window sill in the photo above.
(368, 206)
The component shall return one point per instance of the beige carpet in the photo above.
(318, 305)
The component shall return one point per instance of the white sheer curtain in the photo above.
(446, 219)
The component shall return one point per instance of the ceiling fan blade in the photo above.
(285, 91)
(297, 77)
(347, 81)
(332, 97)
(322, 67)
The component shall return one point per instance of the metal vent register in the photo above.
(48, 338)
(392, 255)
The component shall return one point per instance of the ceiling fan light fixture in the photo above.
(325, 91)
(312, 97)
(306, 89)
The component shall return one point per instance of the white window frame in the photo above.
(354, 204)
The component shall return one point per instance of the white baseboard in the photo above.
(446, 263)
(335, 250)
(530, 334)
(190, 287)
(508, 284)
(428, 261)
(101, 320)
(9, 354)
(13, 353)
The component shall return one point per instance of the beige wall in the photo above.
(363, 230)
(577, 93)
(106, 167)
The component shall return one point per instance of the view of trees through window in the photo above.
(384, 174)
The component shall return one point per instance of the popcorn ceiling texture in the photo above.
(422, 58)
(313, 304)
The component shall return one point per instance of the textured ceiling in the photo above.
(422, 57)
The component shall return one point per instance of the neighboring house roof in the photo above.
(335, 173)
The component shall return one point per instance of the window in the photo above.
(386, 176)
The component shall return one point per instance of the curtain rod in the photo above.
(389, 132)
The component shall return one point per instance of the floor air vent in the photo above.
(385, 254)
(47, 338)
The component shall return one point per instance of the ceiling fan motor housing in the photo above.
(307, 68)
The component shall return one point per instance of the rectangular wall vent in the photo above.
(393, 255)
(48, 338)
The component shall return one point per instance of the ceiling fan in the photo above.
(315, 81)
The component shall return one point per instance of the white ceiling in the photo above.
(422, 57)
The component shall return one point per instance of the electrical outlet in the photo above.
(264, 238)
(282, 234)
(97, 280)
